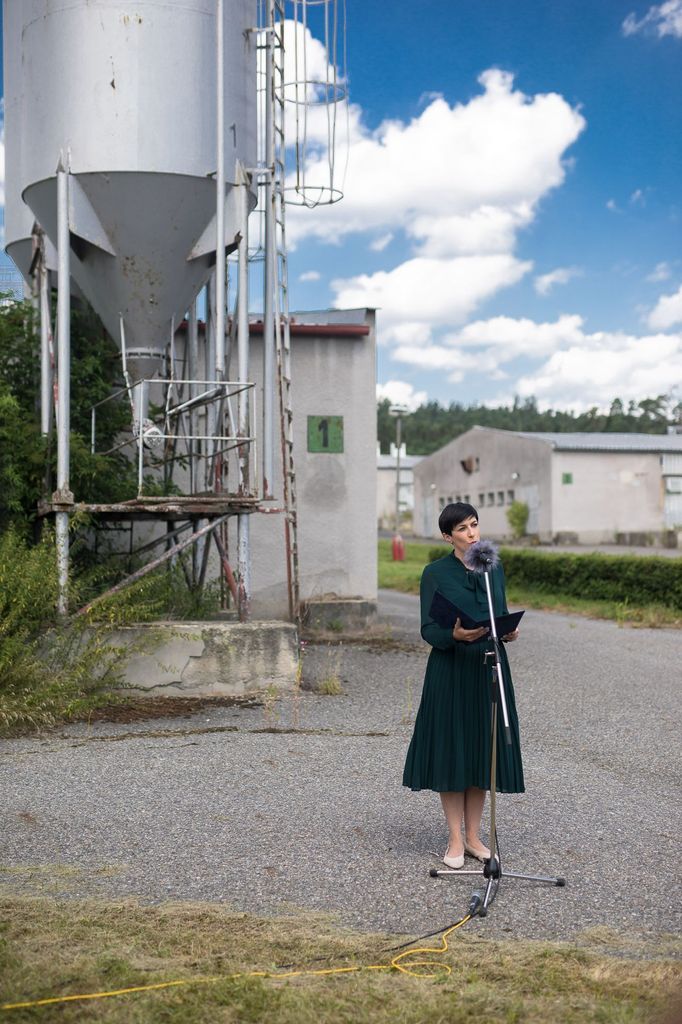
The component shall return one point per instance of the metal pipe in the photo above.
(269, 270)
(210, 357)
(243, 546)
(243, 329)
(398, 442)
(63, 495)
(227, 568)
(244, 567)
(220, 195)
(142, 386)
(192, 373)
(45, 345)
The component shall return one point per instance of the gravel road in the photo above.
(299, 804)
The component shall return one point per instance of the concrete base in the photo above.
(339, 614)
(192, 659)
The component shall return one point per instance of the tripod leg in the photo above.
(536, 878)
(493, 775)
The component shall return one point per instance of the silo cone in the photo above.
(125, 93)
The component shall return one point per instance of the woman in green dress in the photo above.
(450, 748)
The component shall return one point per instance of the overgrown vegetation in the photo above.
(51, 672)
(432, 425)
(517, 517)
(54, 948)
(47, 673)
(27, 460)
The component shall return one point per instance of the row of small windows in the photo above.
(486, 499)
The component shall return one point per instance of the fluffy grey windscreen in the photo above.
(481, 556)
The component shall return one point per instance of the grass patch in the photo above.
(405, 576)
(51, 948)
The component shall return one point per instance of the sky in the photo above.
(512, 200)
(512, 197)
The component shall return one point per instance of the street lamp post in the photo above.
(398, 547)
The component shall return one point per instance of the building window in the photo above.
(491, 497)
(567, 478)
(500, 497)
(441, 502)
(467, 498)
(450, 500)
(510, 497)
(481, 500)
(477, 463)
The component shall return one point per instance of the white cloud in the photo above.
(510, 338)
(485, 345)
(577, 369)
(638, 198)
(399, 392)
(494, 156)
(603, 366)
(310, 275)
(612, 205)
(666, 312)
(421, 293)
(379, 244)
(661, 272)
(663, 19)
(562, 275)
(460, 181)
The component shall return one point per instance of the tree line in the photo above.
(433, 425)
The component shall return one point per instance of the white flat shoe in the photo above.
(454, 862)
(482, 855)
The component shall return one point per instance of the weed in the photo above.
(270, 708)
(52, 947)
(329, 685)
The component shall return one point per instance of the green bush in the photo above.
(517, 517)
(636, 579)
(630, 578)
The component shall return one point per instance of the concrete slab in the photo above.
(209, 658)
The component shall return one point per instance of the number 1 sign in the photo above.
(325, 433)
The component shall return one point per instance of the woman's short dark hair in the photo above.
(454, 514)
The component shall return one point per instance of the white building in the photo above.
(584, 488)
(387, 475)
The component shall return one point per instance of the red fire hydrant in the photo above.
(398, 548)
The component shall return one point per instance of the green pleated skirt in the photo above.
(450, 746)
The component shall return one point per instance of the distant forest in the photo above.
(432, 425)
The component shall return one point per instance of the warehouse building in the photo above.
(580, 488)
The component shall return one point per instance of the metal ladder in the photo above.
(282, 321)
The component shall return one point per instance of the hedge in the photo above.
(637, 579)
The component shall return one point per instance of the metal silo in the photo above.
(124, 93)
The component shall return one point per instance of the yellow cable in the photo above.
(395, 964)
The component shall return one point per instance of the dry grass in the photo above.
(50, 948)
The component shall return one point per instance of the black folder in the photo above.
(445, 613)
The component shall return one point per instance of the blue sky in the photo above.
(598, 208)
(513, 198)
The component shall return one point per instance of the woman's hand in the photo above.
(511, 636)
(468, 635)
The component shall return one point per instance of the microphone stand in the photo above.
(492, 867)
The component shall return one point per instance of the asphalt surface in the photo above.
(299, 805)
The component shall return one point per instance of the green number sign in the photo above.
(325, 433)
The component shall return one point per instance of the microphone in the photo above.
(481, 556)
